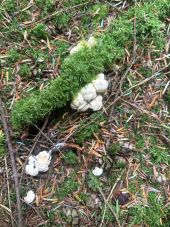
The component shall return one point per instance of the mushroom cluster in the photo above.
(38, 163)
(90, 96)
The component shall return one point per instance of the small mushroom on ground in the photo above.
(38, 163)
(29, 198)
(97, 171)
(43, 161)
(31, 169)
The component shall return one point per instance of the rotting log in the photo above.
(80, 68)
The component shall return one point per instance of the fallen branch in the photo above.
(13, 164)
(81, 68)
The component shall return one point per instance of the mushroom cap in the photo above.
(101, 76)
(78, 101)
(43, 161)
(31, 169)
(100, 85)
(97, 171)
(43, 158)
(42, 168)
(88, 92)
(96, 104)
(83, 107)
(31, 160)
(29, 198)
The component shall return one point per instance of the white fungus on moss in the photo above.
(83, 107)
(100, 85)
(88, 92)
(100, 76)
(30, 197)
(96, 104)
(89, 97)
(78, 101)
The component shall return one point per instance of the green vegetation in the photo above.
(67, 187)
(25, 71)
(150, 214)
(130, 140)
(80, 68)
(114, 149)
(93, 182)
(40, 31)
(70, 158)
(85, 130)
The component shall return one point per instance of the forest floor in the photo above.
(128, 139)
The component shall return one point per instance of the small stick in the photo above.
(13, 164)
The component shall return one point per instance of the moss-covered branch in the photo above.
(80, 68)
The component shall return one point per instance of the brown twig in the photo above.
(13, 164)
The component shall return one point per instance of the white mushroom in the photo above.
(78, 101)
(43, 161)
(97, 171)
(88, 92)
(29, 198)
(101, 76)
(96, 104)
(31, 169)
(88, 96)
(83, 107)
(31, 160)
(100, 85)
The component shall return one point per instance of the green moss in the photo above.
(62, 20)
(83, 197)
(61, 47)
(93, 182)
(46, 5)
(10, 6)
(25, 71)
(14, 55)
(70, 158)
(40, 31)
(167, 97)
(82, 67)
(108, 215)
(145, 71)
(99, 11)
(67, 187)
(140, 141)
